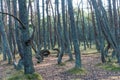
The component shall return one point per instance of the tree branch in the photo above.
(23, 26)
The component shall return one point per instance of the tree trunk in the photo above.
(66, 38)
(4, 37)
(27, 54)
(74, 36)
(44, 25)
(59, 30)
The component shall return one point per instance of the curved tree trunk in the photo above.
(27, 54)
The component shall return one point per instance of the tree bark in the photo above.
(74, 36)
(27, 54)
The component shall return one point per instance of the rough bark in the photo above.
(27, 58)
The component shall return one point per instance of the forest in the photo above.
(59, 39)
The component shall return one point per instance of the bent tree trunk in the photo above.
(28, 64)
(18, 37)
(102, 18)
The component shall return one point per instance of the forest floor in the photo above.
(49, 69)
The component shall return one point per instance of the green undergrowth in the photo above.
(77, 71)
(109, 66)
(19, 75)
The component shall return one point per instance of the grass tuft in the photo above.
(77, 71)
(19, 75)
(109, 66)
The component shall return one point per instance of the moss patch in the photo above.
(19, 75)
(109, 66)
(77, 71)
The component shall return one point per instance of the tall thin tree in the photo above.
(74, 36)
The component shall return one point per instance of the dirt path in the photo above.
(51, 71)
